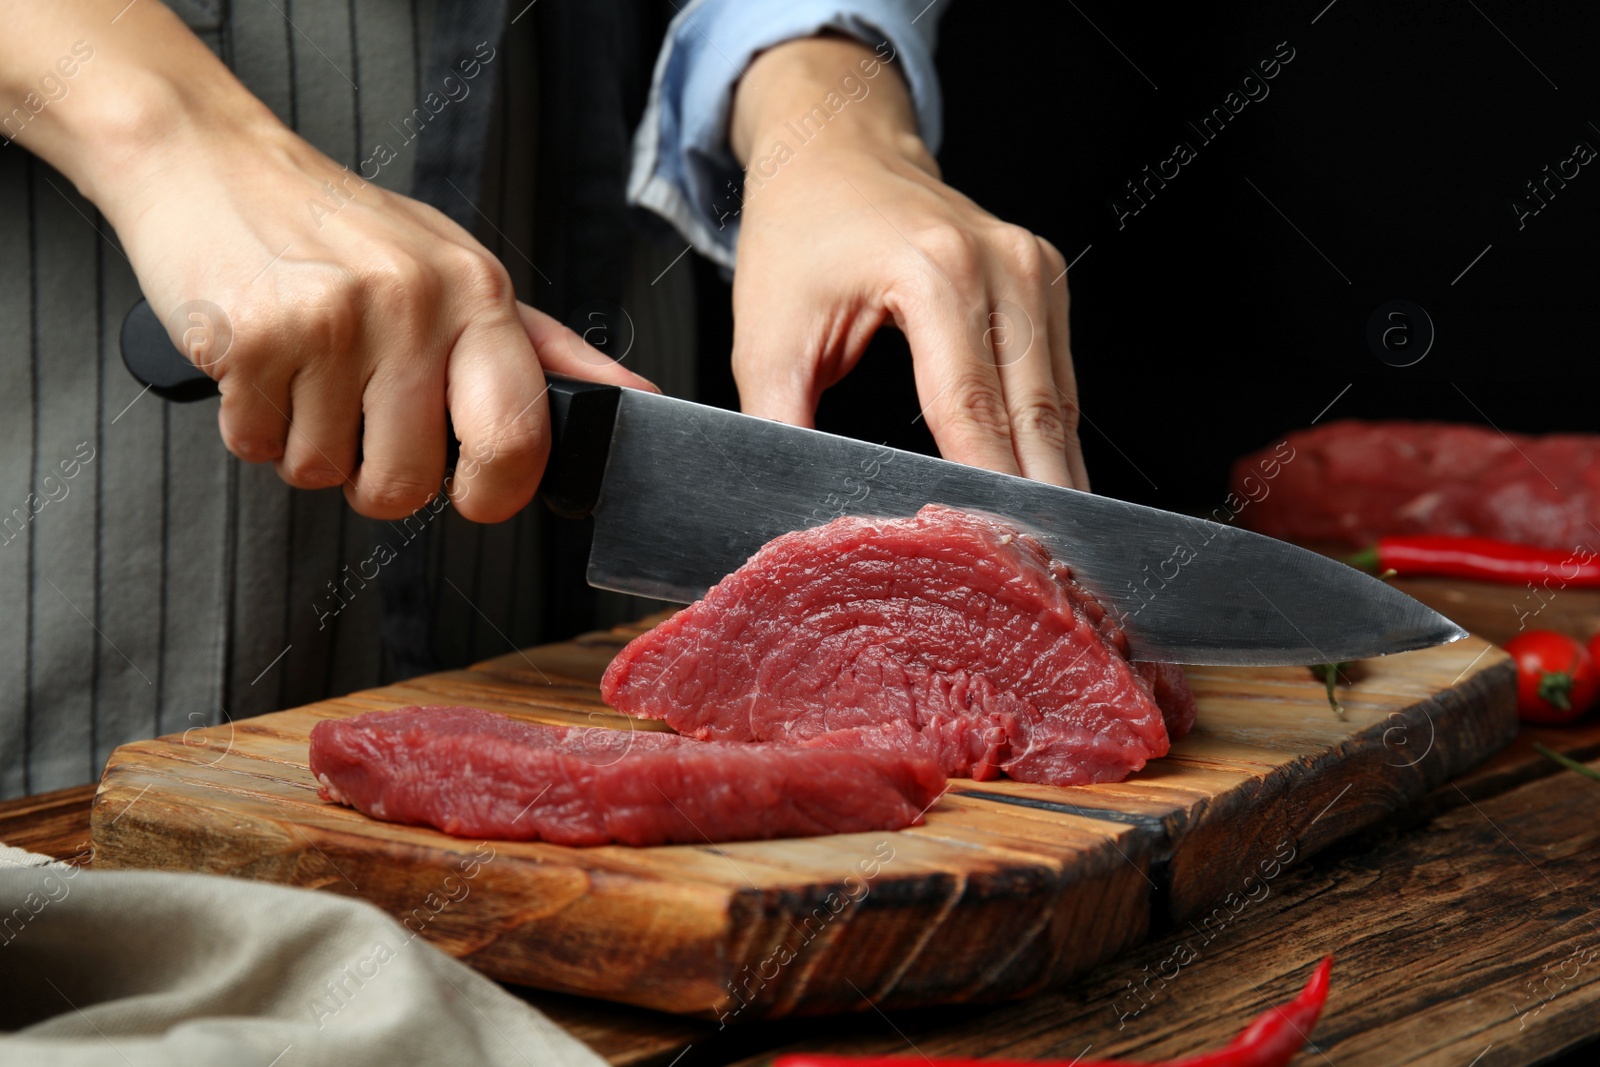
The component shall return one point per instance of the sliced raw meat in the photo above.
(948, 633)
(472, 773)
(1353, 482)
(1171, 689)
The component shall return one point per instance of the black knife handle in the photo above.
(154, 360)
(582, 414)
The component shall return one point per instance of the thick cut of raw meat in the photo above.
(1171, 690)
(947, 633)
(1353, 482)
(473, 773)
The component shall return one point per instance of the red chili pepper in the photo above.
(1480, 557)
(1271, 1041)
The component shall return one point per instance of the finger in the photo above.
(254, 416)
(562, 351)
(962, 398)
(772, 368)
(403, 438)
(496, 394)
(1059, 300)
(320, 450)
(1020, 338)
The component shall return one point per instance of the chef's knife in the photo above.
(682, 494)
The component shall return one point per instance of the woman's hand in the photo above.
(852, 228)
(359, 318)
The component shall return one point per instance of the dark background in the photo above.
(1207, 326)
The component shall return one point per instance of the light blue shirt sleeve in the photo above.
(683, 168)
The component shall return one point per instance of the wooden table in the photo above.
(1467, 933)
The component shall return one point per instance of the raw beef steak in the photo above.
(947, 633)
(472, 773)
(1353, 482)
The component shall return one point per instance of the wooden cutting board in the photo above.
(1006, 889)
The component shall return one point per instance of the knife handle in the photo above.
(154, 360)
(582, 416)
(581, 413)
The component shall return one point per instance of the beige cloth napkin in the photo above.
(136, 968)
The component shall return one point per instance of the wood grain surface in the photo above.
(1007, 889)
(1323, 898)
(1471, 941)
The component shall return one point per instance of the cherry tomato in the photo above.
(1557, 679)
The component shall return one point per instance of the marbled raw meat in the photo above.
(947, 633)
(473, 773)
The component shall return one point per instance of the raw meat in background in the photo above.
(1352, 482)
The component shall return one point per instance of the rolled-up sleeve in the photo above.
(683, 168)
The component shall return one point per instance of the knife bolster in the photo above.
(582, 415)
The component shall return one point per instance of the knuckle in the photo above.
(250, 351)
(488, 507)
(479, 276)
(321, 314)
(514, 444)
(389, 495)
(953, 248)
(979, 404)
(308, 472)
(1054, 261)
(1042, 419)
(1021, 251)
(253, 447)
(1070, 416)
(250, 427)
(396, 278)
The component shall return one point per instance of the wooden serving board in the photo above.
(1006, 889)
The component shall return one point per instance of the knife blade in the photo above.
(682, 494)
(690, 492)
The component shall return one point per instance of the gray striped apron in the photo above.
(155, 583)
